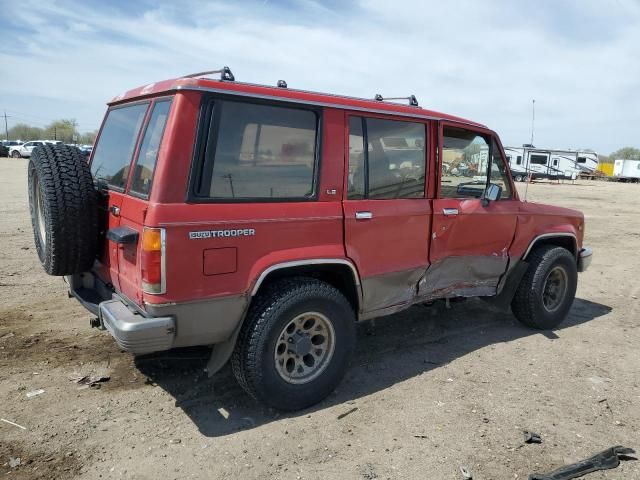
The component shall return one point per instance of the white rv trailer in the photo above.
(626, 170)
(528, 161)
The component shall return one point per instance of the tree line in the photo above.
(65, 130)
(626, 153)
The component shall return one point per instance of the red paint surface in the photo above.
(402, 235)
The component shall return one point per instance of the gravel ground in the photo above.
(430, 390)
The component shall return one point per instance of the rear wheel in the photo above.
(518, 178)
(295, 344)
(547, 289)
(16, 154)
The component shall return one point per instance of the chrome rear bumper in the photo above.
(133, 332)
(584, 259)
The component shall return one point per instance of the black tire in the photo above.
(254, 358)
(16, 154)
(64, 216)
(529, 304)
(518, 178)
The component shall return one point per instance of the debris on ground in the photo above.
(466, 474)
(12, 423)
(86, 381)
(420, 436)
(14, 462)
(605, 460)
(348, 412)
(35, 393)
(532, 437)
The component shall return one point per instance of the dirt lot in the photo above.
(430, 390)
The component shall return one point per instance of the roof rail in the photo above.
(413, 101)
(225, 74)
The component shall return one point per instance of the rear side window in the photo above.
(117, 141)
(259, 152)
(148, 154)
(393, 163)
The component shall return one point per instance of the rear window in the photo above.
(117, 141)
(259, 152)
(148, 154)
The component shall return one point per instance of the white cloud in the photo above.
(481, 60)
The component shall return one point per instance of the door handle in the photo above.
(450, 211)
(115, 210)
(364, 215)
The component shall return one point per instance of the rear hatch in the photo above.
(123, 164)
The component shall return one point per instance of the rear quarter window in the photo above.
(112, 156)
(259, 152)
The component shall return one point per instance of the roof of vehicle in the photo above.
(283, 94)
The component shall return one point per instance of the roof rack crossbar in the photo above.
(413, 101)
(225, 74)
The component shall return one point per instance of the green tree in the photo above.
(65, 130)
(626, 153)
(88, 138)
(22, 131)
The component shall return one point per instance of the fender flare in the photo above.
(301, 263)
(222, 352)
(551, 235)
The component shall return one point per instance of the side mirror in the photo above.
(491, 194)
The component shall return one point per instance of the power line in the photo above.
(6, 125)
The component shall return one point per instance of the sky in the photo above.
(483, 60)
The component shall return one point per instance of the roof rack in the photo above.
(225, 74)
(413, 101)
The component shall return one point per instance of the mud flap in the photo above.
(502, 300)
(221, 353)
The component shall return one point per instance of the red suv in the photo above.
(266, 222)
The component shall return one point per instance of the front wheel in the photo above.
(548, 288)
(295, 344)
(16, 154)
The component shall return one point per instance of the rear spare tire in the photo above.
(63, 206)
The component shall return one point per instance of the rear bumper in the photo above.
(584, 259)
(133, 332)
(158, 327)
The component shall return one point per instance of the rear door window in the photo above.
(393, 163)
(259, 152)
(112, 158)
(148, 154)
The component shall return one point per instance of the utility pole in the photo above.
(6, 127)
(533, 118)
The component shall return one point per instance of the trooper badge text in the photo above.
(240, 232)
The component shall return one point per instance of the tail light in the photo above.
(152, 261)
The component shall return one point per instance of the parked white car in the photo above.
(24, 150)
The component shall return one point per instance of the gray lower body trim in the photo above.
(204, 322)
(390, 289)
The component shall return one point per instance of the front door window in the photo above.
(465, 162)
